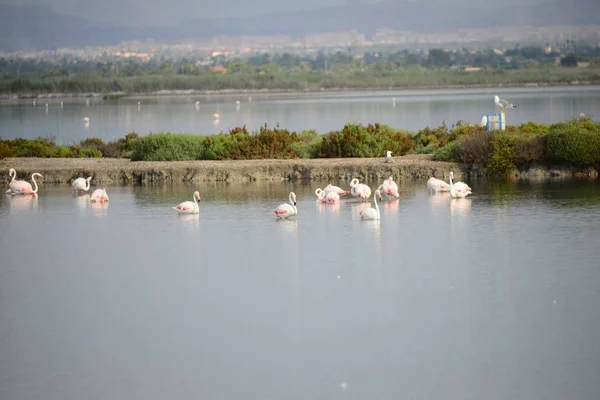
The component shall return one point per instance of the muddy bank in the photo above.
(125, 171)
(411, 167)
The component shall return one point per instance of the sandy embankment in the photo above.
(108, 170)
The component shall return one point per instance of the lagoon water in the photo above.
(413, 110)
(491, 297)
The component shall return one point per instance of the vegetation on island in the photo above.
(382, 69)
(575, 142)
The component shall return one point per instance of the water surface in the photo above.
(323, 112)
(495, 296)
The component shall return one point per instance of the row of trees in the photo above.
(346, 60)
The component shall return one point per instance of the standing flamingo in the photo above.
(189, 207)
(286, 210)
(458, 189)
(390, 188)
(372, 213)
(23, 187)
(81, 184)
(99, 196)
(437, 185)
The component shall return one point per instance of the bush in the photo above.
(88, 152)
(475, 147)
(167, 147)
(500, 163)
(61, 152)
(40, 147)
(370, 141)
(448, 152)
(575, 142)
(6, 150)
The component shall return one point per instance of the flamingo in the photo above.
(338, 190)
(12, 173)
(328, 197)
(286, 210)
(22, 187)
(390, 188)
(99, 196)
(372, 213)
(458, 189)
(81, 184)
(437, 185)
(359, 190)
(189, 207)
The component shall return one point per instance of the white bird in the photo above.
(22, 187)
(503, 103)
(99, 196)
(237, 102)
(34, 102)
(216, 116)
(390, 188)
(337, 189)
(286, 210)
(458, 189)
(388, 156)
(61, 104)
(437, 185)
(372, 213)
(86, 120)
(359, 190)
(189, 207)
(87, 102)
(81, 184)
(46, 105)
(484, 121)
(327, 197)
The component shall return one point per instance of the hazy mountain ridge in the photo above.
(37, 27)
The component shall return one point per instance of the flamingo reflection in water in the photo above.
(22, 203)
(460, 206)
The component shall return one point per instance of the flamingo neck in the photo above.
(13, 175)
(376, 205)
(34, 184)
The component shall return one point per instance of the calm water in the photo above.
(320, 111)
(492, 297)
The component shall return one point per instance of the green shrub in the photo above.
(574, 142)
(167, 147)
(40, 147)
(449, 152)
(500, 163)
(6, 150)
(429, 149)
(88, 152)
(366, 141)
(61, 152)
(91, 142)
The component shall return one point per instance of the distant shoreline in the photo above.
(19, 97)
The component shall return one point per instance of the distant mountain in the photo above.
(36, 27)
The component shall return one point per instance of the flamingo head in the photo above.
(37, 174)
(12, 172)
(451, 175)
(354, 182)
(89, 178)
(293, 197)
(378, 194)
(197, 195)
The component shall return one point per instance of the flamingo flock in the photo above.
(329, 195)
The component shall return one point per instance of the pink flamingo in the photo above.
(330, 197)
(286, 210)
(458, 189)
(372, 213)
(189, 207)
(22, 187)
(99, 196)
(437, 185)
(390, 188)
(81, 184)
(359, 190)
(338, 190)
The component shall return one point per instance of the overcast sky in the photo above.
(170, 12)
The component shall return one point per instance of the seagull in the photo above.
(388, 156)
(503, 103)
